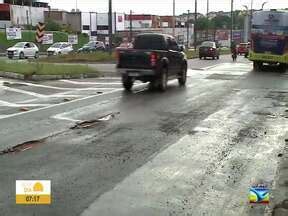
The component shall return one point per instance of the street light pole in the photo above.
(188, 17)
(195, 26)
(131, 27)
(173, 18)
(250, 20)
(110, 26)
(207, 30)
(232, 24)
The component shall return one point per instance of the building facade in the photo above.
(20, 13)
(95, 24)
(140, 21)
(64, 18)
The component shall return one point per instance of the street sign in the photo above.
(40, 31)
(47, 38)
(73, 39)
(13, 33)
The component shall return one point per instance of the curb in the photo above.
(47, 77)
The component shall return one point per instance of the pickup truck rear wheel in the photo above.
(163, 80)
(127, 82)
(183, 76)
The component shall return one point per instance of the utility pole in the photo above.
(250, 20)
(173, 18)
(232, 23)
(131, 27)
(195, 26)
(188, 35)
(207, 30)
(110, 26)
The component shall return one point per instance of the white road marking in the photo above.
(8, 104)
(24, 92)
(76, 114)
(61, 116)
(91, 83)
(56, 105)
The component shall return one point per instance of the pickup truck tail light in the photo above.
(153, 59)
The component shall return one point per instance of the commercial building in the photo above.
(20, 13)
(64, 18)
(96, 24)
(142, 21)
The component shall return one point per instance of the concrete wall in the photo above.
(23, 15)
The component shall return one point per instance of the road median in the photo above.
(100, 57)
(45, 71)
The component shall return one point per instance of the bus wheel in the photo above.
(257, 66)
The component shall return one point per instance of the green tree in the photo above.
(221, 22)
(52, 26)
(202, 23)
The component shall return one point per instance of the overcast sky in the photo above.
(160, 7)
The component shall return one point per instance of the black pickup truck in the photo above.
(154, 58)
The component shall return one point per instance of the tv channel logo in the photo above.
(259, 194)
(33, 192)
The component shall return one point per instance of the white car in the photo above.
(23, 50)
(60, 48)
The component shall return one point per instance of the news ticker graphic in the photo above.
(33, 192)
(259, 193)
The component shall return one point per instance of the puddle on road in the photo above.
(225, 77)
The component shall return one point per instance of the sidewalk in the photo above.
(279, 198)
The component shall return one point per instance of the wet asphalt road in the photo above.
(188, 151)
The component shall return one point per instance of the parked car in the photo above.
(60, 48)
(154, 58)
(243, 49)
(125, 45)
(92, 46)
(209, 49)
(23, 50)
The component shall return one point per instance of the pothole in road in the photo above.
(22, 147)
(267, 114)
(92, 123)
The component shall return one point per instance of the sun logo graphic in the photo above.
(38, 187)
(33, 192)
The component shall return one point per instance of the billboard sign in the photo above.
(222, 35)
(48, 38)
(13, 33)
(73, 39)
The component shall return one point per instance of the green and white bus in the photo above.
(269, 39)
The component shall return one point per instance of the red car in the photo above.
(243, 48)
